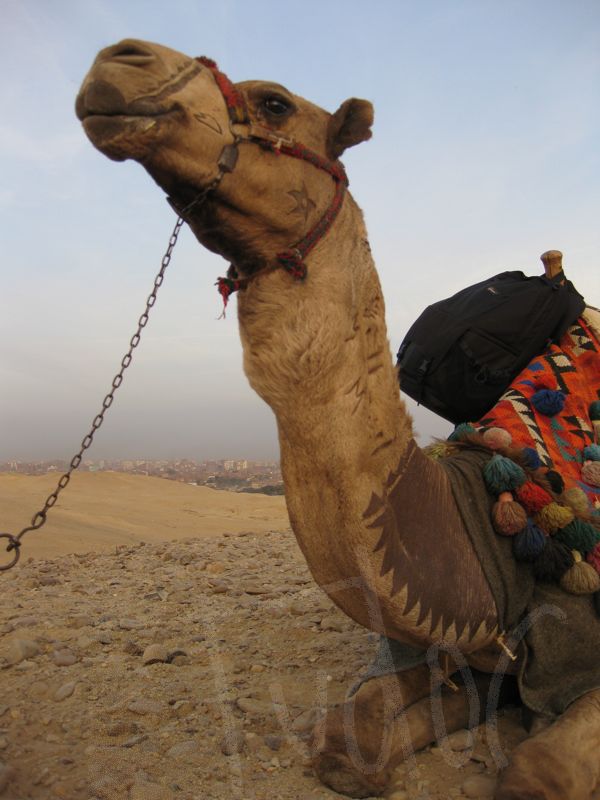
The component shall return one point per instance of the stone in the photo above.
(27, 622)
(274, 741)
(189, 747)
(64, 658)
(20, 649)
(155, 653)
(233, 742)
(479, 786)
(121, 727)
(144, 705)
(460, 740)
(255, 707)
(215, 567)
(130, 624)
(48, 580)
(332, 623)
(64, 691)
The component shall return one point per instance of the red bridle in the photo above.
(292, 259)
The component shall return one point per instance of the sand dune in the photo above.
(98, 511)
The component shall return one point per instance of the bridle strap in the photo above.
(292, 259)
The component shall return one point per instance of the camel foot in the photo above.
(357, 745)
(560, 762)
(350, 742)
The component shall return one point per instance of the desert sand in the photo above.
(99, 510)
(167, 642)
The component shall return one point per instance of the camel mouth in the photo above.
(108, 131)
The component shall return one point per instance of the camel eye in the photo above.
(276, 105)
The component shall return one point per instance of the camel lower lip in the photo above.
(108, 125)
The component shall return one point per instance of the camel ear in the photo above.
(350, 125)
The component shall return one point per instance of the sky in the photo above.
(484, 155)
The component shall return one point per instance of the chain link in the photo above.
(40, 517)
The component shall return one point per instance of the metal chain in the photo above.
(40, 518)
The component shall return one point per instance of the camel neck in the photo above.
(317, 352)
(364, 502)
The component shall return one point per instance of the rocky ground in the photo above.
(188, 670)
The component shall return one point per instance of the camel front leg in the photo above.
(357, 745)
(563, 761)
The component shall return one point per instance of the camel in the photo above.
(254, 171)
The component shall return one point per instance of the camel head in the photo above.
(193, 130)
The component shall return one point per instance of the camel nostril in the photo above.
(129, 51)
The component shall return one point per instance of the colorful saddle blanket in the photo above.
(550, 406)
(544, 440)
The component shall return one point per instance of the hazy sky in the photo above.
(485, 153)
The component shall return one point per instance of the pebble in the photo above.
(27, 622)
(155, 653)
(274, 741)
(182, 749)
(479, 786)
(64, 691)
(251, 706)
(64, 658)
(121, 727)
(233, 742)
(130, 624)
(333, 623)
(145, 706)
(20, 649)
(215, 567)
(48, 580)
(460, 740)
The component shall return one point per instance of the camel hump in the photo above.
(552, 261)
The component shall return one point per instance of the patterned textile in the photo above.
(573, 367)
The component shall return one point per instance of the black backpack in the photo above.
(462, 353)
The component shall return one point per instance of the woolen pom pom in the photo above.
(461, 432)
(595, 410)
(508, 517)
(590, 473)
(593, 558)
(581, 578)
(501, 474)
(578, 535)
(552, 563)
(576, 499)
(533, 497)
(555, 480)
(496, 438)
(548, 402)
(531, 458)
(552, 517)
(591, 452)
(529, 543)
